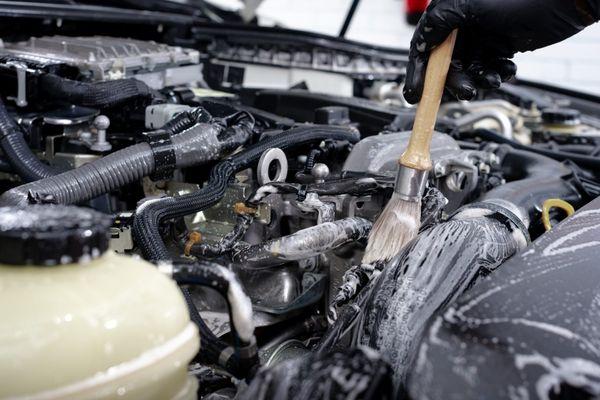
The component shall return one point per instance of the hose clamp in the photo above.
(502, 213)
(163, 150)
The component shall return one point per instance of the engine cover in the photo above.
(101, 58)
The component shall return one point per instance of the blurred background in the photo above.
(573, 63)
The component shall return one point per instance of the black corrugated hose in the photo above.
(150, 214)
(103, 94)
(533, 179)
(89, 94)
(116, 169)
(17, 152)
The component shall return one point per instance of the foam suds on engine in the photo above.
(432, 272)
(536, 317)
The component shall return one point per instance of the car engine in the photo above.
(271, 163)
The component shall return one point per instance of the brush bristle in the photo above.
(397, 225)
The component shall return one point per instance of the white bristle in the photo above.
(397, 225)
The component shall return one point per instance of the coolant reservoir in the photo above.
(80, 322)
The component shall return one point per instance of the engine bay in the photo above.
(272, 162)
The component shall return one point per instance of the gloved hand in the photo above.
(491, 32)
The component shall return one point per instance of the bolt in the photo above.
(320, 172)
(101, 123)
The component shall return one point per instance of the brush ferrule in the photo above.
(410, 183)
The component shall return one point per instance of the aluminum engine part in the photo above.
(217, 221)
(511, 121)
(378, 155)
(455, 172)
(101, 58)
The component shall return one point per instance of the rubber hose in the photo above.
(150, 214)
(430, 273)
(245, 356)
(584, 149)
(225, 282)
(303, 244)
(18, 154)
(211, 345)
(88, 181)
(104, 94)
(194, 146)
(582, 160)
(534, 179)
(24, 163)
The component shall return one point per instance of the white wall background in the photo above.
(574, 63)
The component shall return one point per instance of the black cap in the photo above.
(51, 235)
(332, 115)
(561, 116)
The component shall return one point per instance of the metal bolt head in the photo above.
(102, 122)
(320, 171)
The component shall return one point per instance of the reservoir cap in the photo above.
(561, 116)
(51, 235)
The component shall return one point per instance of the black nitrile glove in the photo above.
(491, 32)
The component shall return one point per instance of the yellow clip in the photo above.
(554, 203)
(193, 238)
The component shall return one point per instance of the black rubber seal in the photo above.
(164, 154)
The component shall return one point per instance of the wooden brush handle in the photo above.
(417, 154)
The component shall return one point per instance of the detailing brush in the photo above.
(401, 219)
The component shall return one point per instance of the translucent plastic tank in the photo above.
(80, 322)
